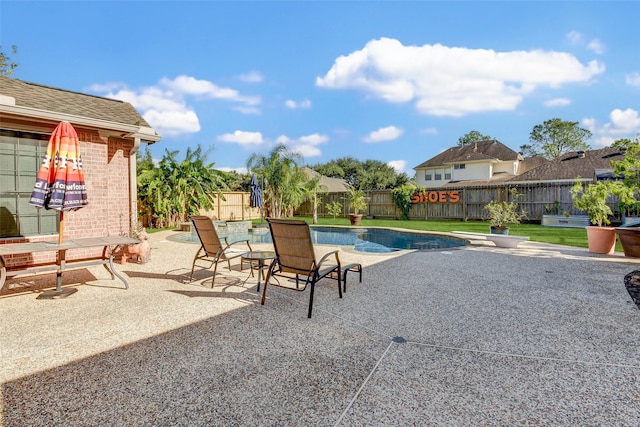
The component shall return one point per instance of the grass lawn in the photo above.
(556, 235)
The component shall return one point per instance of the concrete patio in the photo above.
(538, 335)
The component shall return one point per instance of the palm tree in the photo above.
(281, 177)
(176, 189)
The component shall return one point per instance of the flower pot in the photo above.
(499, 230)
(630, 241)
(601, 240)
(355, 219)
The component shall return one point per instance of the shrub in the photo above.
(402, 199)
(502, 213)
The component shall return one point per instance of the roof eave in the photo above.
(146, 134)
(540, 181)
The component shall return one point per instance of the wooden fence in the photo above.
(536, 199)
(234, 207)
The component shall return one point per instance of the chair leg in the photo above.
(348, 268)
(313, 286)
(266, 282)
(193, 265)
(215, 268)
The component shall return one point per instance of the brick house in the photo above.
(110, 133)
(480, 163)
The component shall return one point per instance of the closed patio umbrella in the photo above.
(256, 193)
(255, 199)
(60, 185)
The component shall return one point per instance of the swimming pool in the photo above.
(373, 240)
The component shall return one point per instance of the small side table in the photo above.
(260, 257)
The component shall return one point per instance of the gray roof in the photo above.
(572, 165)
(529, 163)
(332, 185)
(481, 150)
(33, 95)
(498, 178)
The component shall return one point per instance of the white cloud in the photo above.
(239, 170)
(578, 39)
(451, 81)
(622, 124)
(242, 138)
(314, 139)
(248, 110)
(304, 104)
(173, 122)
(388, 133)
(429, 131)
(633, 79)
(306, 145)
(398, 165)
(557, 102)
(167, 114)
(251, 77)
(596, 46)
(574, 37)
(166, 105)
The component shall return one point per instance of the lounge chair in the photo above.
(212, 249)
(296, 259)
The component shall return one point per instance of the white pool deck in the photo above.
(481, 335)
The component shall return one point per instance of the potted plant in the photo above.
(593, 200)
(627, 188)
(503, 213)
(357, 203)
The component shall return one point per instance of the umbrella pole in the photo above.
(61, 253)
(61, 228)
(60, 260)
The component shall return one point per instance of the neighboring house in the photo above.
(479, 163)
(585, 165)
(328, 184)
(110, 134)
(331, 190)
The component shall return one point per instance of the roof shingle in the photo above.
(33, 95)
(481, 150)
(572, 165)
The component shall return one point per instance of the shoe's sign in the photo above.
(436, 197)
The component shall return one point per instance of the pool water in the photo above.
(374, 240)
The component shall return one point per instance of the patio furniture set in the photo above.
(293, 258)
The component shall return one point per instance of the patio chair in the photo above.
(212, 249)
(296, 259)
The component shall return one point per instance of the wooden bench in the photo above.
(500, 240)
(106, 259)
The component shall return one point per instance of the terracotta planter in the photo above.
(355, 219)
(602, 240)
(630, 241)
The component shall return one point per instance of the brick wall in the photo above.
(106, 173)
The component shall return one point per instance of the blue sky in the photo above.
(397, 82)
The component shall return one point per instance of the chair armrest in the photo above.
(327, 255)
(239, 241)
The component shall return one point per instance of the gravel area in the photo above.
(539, 335)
